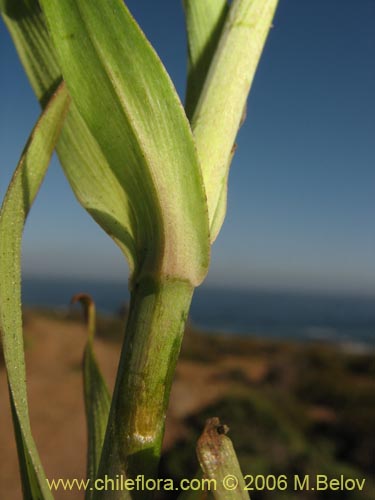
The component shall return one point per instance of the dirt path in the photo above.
(53, 358)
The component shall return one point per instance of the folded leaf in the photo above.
(85, 166)
(204, 23)
(17, 202)
(219, 111)
(97, 397)
(93, 181)
(141, 128)
(218, 460)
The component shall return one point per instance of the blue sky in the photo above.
(302, 186)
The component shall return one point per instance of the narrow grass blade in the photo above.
(96, 393)
(219, 462)
(147, 141)
(91, 178)
(204, 24)
(219, 111)
(221, 207)
(18, 200)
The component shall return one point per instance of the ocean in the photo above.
(340, 318)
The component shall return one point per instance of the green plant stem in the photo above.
(157, 317)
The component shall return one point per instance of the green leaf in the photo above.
(204, 24)
(219, 462)
(100, 188)
(24, 22)
(84, 164)
(17, 202)
(222, 101)
(96, 393)
(141, 128)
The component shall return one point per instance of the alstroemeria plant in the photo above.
(152, 174)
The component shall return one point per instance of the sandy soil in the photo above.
(53, 358)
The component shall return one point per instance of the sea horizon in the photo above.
(340, 317)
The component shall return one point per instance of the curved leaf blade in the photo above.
(204, 24)
(97, 406)
(219, 111)
(83, 162)
(147, 140)
(96, 394)
(17, 202)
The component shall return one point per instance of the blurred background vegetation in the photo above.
(292, 407)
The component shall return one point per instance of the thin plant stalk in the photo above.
(155, 327)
